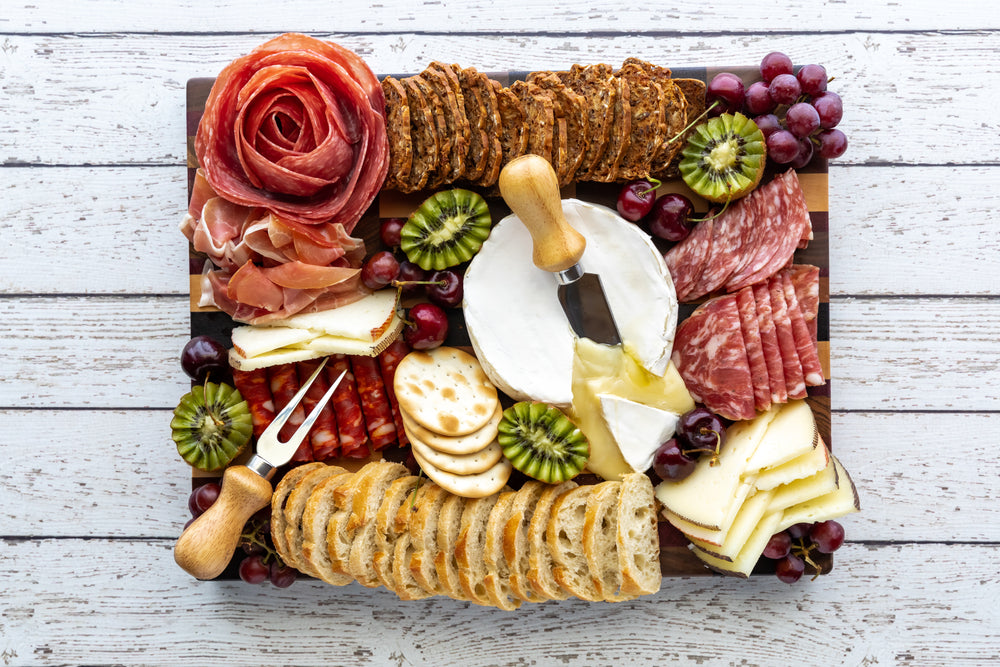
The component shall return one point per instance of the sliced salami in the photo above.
(731, 233)
(351, 428)
(374, 402)
(284, 382)
(769, 344)
(255, 389)
(794, 380)
(686, 260)
(388, 361)
(755, 352)
(323, 435)
(812, 371)
(805, 279)
(712, 359)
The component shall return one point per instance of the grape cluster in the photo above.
(427, 325)
(260, 562)
(699, 431)
(791, 548)
(795, 111)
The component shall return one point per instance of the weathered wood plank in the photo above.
(113, 230)
(909, 491)
(98, 352)
(86, 108)
(65, 602)
(402, 16)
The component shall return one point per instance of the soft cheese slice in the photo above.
(638, 429)
(252, 341)
(790, 434)
(742, 565)
(841, 502)
(707, 495)
(750, 514)
(802, 466)
(517, 326)
(366, 319)
(715, 537)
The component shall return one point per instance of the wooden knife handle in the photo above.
(205, 548)
(530, 187)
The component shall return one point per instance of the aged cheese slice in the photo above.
(638, 429)
(790, 434)
(707, 495)
(841, 502)
(329, 344)
(801, 490)
(252, 341)
(268, 359)
(366, 319)
(718, 536)
(802, 466)
(750, 514)
(742, 565)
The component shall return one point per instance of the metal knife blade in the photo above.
(586, 307)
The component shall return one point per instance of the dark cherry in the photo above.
(390, 231)
(779, 546)
(827, 536)
(448, 294)
(202, 498)
(670, 463)
(790, 568)
(411, 273)
(204, 356)
(282, 576)
(701, 429)
(635, 200)
(379, 270)
(670, 218)
(428, 327)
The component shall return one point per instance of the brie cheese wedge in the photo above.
(638, 429)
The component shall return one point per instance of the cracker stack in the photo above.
(449, 124)
(383, 526)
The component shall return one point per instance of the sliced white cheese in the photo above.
(742, 565)
(802, 466)
(252, 341)
(714, 536)
(791, 433)
(833, 505)
(802, 490)
(750, 514)
(268, 359)
(365, 319)
(328, 344)
(707, 495)
(638, 429)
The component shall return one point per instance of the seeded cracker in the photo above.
(423, 135)
(398, 125)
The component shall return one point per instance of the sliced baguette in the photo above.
(638, 541)
(564, 536)
(539, 559)
(515, 540)
(470, 545)
(404, 583)
(315, 519)
(600, 541)
(497, 579)
(295, 507)
(423, 527)
(398, 494)
(367, 500)
(339, 537)
(449, 526)
(278, 501)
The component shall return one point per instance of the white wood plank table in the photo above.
(94, 310)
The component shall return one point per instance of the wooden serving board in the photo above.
(675, 557)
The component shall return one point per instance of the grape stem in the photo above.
(802, 550)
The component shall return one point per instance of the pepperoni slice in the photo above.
(255, 389)
(374, 402)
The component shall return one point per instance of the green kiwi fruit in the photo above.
(724, 158)
(447, 229)
(211, 426)
(542, 442)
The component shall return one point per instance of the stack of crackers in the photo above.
(592, 123)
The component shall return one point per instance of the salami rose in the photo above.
(297, 126)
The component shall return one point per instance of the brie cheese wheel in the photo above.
(517, 326)
(638, 429)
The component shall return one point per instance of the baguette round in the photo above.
(539, 558)
(564, 536)
(637, 537)
(497, 579)
(278, 500)
(515, 540)
(314, 523)
(295, 506)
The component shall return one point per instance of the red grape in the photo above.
(830, 108)
(379, 270)
(635, 200)
(832, 143)
(779, 546)
(670, 219)
(773, 64)
(799, 530)
(390, 231)
(827, 536)
(758, 99)
(253, 570)
(202, 498)
(768, 124)
(701, 429)
(428, 328)
(728, 90)
(203, 356)
(282, 576)
(782, 146)
(784, 89)
(670, 463)
(790, 568)
(448, 295)
(813, 79)
(804, 156)
(802, 119)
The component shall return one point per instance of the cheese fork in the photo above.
(207, 545)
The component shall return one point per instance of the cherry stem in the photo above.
(652, 181)
(722, 210)
(692, 123)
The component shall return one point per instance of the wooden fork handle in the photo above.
(205, 548)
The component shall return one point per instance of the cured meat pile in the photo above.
(293, 149)
(740, 353)
(361, 417)
(744, 245)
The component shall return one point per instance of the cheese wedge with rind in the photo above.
(253, 341)
(366, 319)
(638, 429)
(750, 514)
(833, 505)
(802, 466)
(791, 433)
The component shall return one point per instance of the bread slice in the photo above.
(367, 500)
(295, 506)
(564, 536)
(315, 518)
(404, 583)
(470, 546)
(339, 536)
(497, 579)
(515, 540)
(539, 559)
(278, 501)
(399, 493)
(422, 527)
(449, 526)
(637, 537)
(600, 541)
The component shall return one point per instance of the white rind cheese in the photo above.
(638, 429)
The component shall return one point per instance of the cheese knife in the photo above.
(531, 189)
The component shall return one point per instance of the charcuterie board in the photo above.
(675, 556)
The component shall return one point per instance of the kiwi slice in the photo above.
(447, 229)
(211, 426)
(724, 158)
(540, 441)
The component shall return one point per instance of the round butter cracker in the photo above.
(459, 445)
(468, 464)
(445, 390)
(479, 485)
